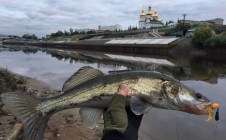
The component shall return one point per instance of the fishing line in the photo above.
(177, 133)
(215, 133)
(177, 130)
(217, 119)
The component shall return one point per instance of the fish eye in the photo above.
(198, 95)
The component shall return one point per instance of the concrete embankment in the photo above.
(154, 46)
(175, 47)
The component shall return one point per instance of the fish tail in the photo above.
(23, 106)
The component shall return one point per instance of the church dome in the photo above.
(149, 11)
(155, 15)
(142, 14)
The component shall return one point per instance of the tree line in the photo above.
(71, 32)
(204, 37)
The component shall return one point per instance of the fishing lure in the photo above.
(210, 109)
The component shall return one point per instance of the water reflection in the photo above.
(44, 67)
(197, 68)
(205, 76)
(207, 70)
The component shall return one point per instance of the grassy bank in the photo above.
(10, 82)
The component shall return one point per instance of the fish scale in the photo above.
(142, 87)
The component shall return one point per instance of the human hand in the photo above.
(123, 90)
(115, 117)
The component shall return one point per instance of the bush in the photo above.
(29, 36)
(181, 27)
(178, 28)
(201, 35)
(58, 33)
(219, 41)
(219, 28)
(223, 34)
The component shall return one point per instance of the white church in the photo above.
(149, 20)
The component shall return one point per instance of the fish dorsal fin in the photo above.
(138, 106)
(90, 115)
(82, 75)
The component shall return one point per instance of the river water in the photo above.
(205, 76)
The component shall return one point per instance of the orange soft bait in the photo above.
(215, 106)
(210, 113)
(210, 109)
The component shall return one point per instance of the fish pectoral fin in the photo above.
(90, 115)
(82, 75)
(139, 106)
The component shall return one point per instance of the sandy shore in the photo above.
(64, 125)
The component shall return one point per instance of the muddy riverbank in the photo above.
(65, 125)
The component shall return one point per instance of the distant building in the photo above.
(84, 30)
(115, 27)
(149, 20)
(217, 21)
(172, 25)
(3, 37)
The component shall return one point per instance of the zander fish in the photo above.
(91, 90)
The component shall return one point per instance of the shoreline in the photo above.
(63, 125)
(179, 47)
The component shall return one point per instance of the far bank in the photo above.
(167, 46)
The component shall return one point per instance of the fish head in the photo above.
(179, 97)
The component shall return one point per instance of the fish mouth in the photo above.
(198, 109)
(203, 108)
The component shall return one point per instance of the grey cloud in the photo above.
(45, 16)
(48, 12)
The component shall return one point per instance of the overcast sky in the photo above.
(43, 17)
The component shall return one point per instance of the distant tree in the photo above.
(29, 36)
(34, 37)
(167, 23)
(107, 31)
(201, 35)
(66, 33)
(181, 26)
(134, 28)
(82, 32)
(58, 33)
(76, 32)
(91, 32)
(171, 21)
(219, 28)
(13, 36)
(71, 31)
(130, 28)
(223, 34)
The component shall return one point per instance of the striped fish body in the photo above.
(92, 91)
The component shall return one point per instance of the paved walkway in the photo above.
(142, 41)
